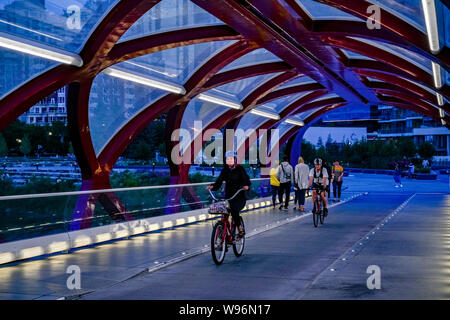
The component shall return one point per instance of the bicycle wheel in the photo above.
(218, 246)
(238, 246)
(322, 217)
(316, 216)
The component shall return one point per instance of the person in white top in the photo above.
(318, 179)
(301, 183)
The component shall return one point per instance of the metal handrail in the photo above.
(75, 193)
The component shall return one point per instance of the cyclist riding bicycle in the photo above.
(318, 179)
(235, 178)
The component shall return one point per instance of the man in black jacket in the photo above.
(235, 178)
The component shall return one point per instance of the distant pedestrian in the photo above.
(301, 179)
(274, 183)
(337, 172)
(410, 170)
(285, 174)
(398, 175)
(425, 163)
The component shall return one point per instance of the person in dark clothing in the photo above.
(235, 178)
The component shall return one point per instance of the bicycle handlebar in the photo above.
(212, 195)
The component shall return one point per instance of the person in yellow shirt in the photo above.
(274, 183)
(337, 172)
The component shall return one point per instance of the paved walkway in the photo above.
(292, 261)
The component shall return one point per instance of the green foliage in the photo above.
(308, 152)
(422, 170)
(377, 154)
(25, 145)
(426, 150)
(53, 139)
(3, 146)
(406, 147)
(148, 142)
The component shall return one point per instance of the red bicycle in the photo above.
(225, 233)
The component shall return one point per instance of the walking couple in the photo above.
(281, 179)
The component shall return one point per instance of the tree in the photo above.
(319, 142)
(308, 151)
(406, 147)
(329, 140)
(25, 146)
(3, 146)
(427, 150)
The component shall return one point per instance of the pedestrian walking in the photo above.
(275, 184)
(398, 175)
(301, 179)
(337, 172)
(285, 174)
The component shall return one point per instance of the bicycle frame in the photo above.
(228, 229)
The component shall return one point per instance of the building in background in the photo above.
(51, 109)
(395, 122)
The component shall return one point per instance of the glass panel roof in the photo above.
(320, 11)
(65, 24)
(408, 10)
(112, 103)
(242, 88)
(258, 56)
(280, 104)
(170, 15)
(324, 97)
(416, 59)
(199, 110)
(296, 82)
(354, 55)
(176, 64)
(250, 122)
(16, 68)
(301, 116)
(282, 128)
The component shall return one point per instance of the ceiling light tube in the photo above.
(443, 122)
(441, 113)
(266, 114)
(295, 122)
(440, 99)
(429, 10)
(147, 81)
(40, 50)
(220, 101)
(437, 75)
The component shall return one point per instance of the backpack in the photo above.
(320, 175)
(286, 176)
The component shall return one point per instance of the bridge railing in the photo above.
(37, 215)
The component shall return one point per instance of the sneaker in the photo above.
(401, 186)
(396, 186)
(281, 207)
(325, 212)
(295, 208)
(240, 235)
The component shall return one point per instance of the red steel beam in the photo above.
(390, 22)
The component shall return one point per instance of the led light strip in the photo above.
(436, 74)
(220, 101)
(295, 122)
(37, 49)
(429, 10)
(147, 81)
(266, 114)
